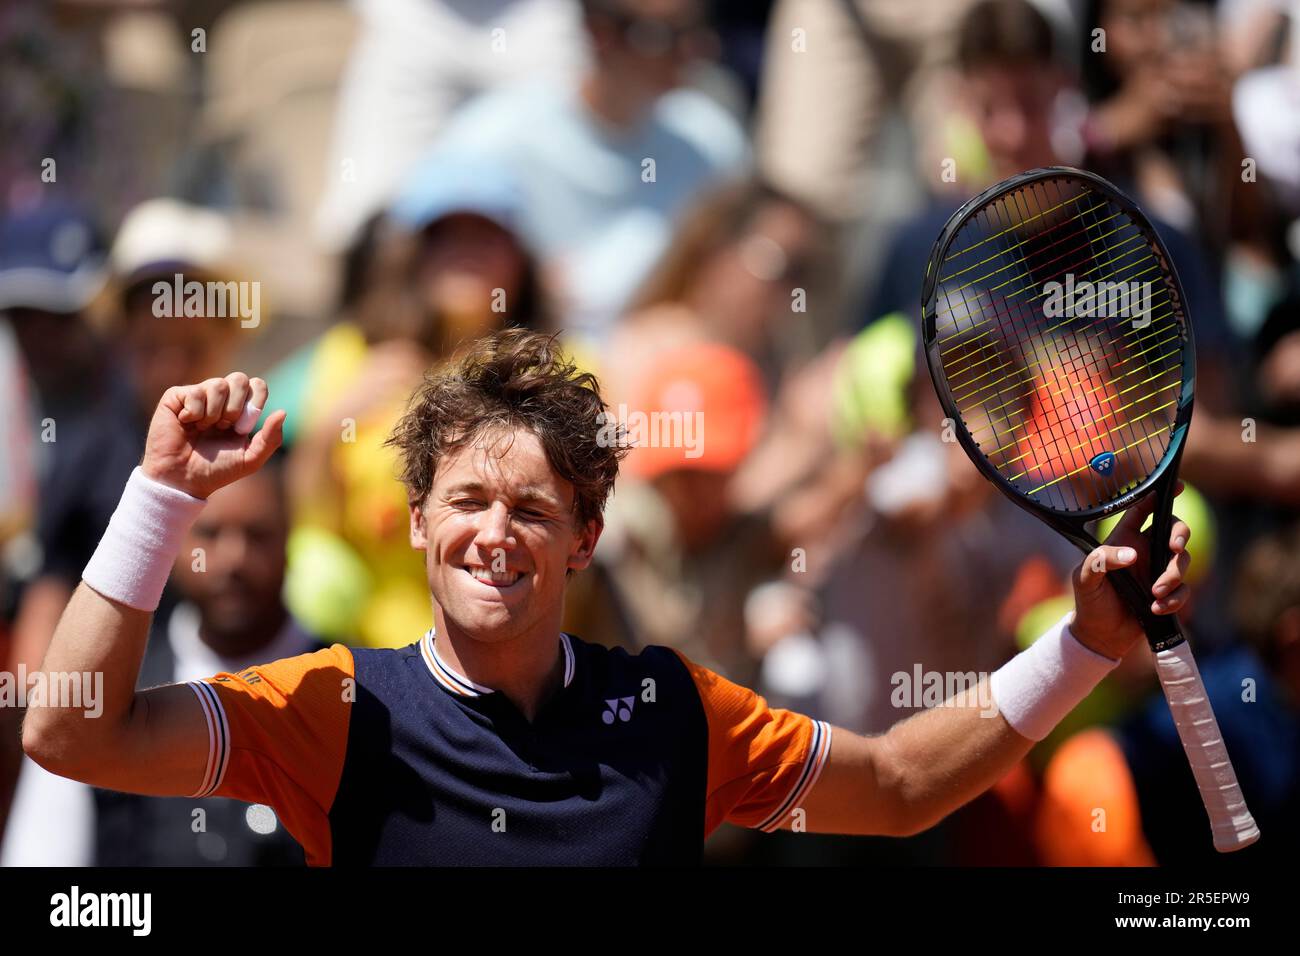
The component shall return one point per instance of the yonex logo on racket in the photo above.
(1104, 299)
(1104, 463)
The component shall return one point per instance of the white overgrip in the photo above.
(1230, 820)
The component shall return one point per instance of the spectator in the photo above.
(676, 552)
(1161, 122)
(850, 110)
(607, 164)
(159, 240)
(737, 272)
(414, 64)
(728, 277)
(51, 269)
(1011, 80)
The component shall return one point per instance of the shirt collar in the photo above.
(457, 683)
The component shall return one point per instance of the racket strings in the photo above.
(1077, 407)
(1062, 429)
(994, 422)
(1152, 433)
(993, 306)
(1063, 425)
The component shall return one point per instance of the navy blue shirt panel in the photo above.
(613, 771)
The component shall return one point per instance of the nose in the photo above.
(493, 531)
(231, 551)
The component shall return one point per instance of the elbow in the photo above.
(49, 744)
(914, 816)
(899, 816)
(914, 822)
(908, 818)
(909, 808)
(37, 739)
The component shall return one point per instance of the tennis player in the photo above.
(495, 738)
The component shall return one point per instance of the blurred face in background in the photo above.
(746, 285)
(242, 530)
(1137, 33)
(648, 44)
(162, 351)
(1012, 106)
(700, 503)
(463, 260)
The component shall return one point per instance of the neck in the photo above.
(617, 104)
(528, 670)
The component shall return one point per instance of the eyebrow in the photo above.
(525, 494)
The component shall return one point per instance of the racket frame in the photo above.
(1162, 630)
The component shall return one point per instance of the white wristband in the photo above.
(1040, 685)
(135, 555)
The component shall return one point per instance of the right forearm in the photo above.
(93, 661)
(97, 645)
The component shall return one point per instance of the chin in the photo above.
(486, 625)
(229, 623)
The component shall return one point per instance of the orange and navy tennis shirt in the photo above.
(388, 756)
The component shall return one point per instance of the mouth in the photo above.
(501, 580)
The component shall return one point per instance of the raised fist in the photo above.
(193, 444)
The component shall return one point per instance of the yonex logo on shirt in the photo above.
(620, 706)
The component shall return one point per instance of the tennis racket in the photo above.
(1056, 332)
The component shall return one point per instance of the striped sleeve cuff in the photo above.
(818, 750)
(218, 737)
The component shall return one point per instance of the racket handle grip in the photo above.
(1230, 820)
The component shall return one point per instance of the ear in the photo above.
(419, 537)
(585, 545)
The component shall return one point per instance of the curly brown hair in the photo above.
(510, 379)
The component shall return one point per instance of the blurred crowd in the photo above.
(725, 210)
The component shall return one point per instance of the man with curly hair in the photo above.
(496, 738)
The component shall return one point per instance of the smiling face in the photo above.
(499, 536)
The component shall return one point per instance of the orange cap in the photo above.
(698, 406)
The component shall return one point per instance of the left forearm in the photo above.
(947, 756)
(910, 778)
(929, 765)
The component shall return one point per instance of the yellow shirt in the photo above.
(389, 605)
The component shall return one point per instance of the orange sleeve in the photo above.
(278, 734)
(1089, 813)
(763, 761)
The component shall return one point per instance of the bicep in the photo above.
(163, 748)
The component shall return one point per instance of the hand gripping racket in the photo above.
(1056, 332)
